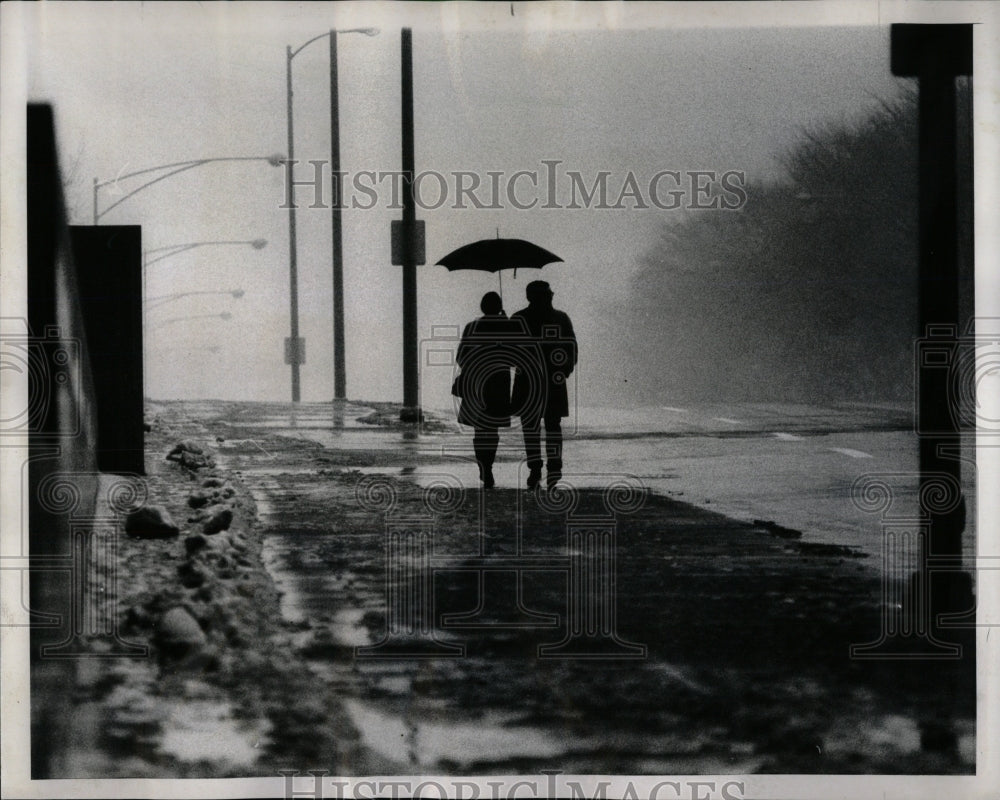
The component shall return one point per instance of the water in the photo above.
(791, 464)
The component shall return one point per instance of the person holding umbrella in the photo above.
(538, 341)
(484, 356)
(540, 392)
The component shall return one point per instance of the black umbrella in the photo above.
(494, 255)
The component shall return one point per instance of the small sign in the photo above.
(295, 350)
(418, 242)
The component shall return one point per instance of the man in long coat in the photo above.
(540, 394)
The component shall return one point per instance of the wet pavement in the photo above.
(796, 465)
(591, 631)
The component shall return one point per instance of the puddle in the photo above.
(309, 422)
(425, 744)
(291, 602)
(396, 684)
(274, 471)
(495, 738)
(877, 738)
(967, 741)
(206, 731)
(265, 508)
(347, 629)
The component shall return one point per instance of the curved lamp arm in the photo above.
(175, 249)
(275, 160)
(225, 315)
(163, 299)
(363, 31)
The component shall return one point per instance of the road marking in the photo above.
(852, 453)
(730, 421)
(787, 437)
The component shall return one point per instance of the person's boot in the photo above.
(554, 472)
(486, 474)
(534, 477)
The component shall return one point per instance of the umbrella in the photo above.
(494, 255)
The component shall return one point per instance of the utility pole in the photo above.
(339, 368)
(293, 345)
(410, 245)
(936, 55)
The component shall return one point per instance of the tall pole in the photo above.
(935, 55)
(292, 348)
(938, 271)
(410, 401)
(145, 334)
(339, 369)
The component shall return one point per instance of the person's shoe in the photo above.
(552, 479)
(534, 478)
(488, 480)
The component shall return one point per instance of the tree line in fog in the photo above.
(807, 293)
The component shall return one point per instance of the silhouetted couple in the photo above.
(539, 344)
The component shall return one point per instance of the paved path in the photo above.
(725, 649)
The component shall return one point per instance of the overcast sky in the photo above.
(137, 85)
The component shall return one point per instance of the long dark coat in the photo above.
(545, 364)
(485, 358)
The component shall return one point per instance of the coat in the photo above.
(485, 358)
(547, 360)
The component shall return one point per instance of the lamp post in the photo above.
(411, 254)
(171, 250)
(275, 160)
(294, 347)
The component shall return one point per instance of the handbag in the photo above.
(458, 386)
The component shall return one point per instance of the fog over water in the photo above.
(177, 83)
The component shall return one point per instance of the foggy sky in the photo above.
(139, 85)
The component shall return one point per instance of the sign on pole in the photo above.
(418, 241)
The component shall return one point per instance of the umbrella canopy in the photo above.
(493, 255)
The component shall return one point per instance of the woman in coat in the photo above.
(484, 356)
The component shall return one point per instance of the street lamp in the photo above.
(171, 250)
(275, 160)
(225, 316)
(294, 347)
(163, 299)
